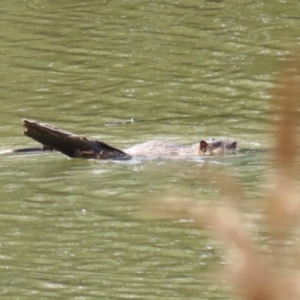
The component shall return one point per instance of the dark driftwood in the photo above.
(72, 145)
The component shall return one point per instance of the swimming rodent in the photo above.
(210, 147)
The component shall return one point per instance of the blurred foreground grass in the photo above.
(255, 274)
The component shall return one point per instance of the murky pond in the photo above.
(188, 70)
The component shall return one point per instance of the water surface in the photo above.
(190, 70)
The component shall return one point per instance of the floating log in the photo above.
(72, 145)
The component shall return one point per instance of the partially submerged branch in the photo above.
(70, 144)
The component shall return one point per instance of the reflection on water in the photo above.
(189, 70)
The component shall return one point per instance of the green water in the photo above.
(73, 229)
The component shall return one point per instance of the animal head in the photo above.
(217, 147)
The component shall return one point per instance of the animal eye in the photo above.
(218, 144)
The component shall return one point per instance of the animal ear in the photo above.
(203, 146)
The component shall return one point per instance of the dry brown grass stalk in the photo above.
(283, 196)
(254, 274)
